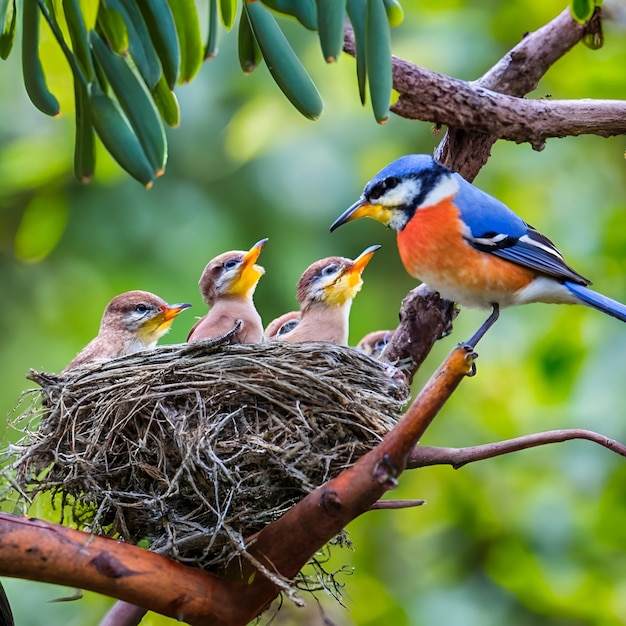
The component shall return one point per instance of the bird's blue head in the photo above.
(399, 189)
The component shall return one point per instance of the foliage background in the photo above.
(534, 538)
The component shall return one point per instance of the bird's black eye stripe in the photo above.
(141, 308)
(382, 187)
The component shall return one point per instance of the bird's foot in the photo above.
(485, 326)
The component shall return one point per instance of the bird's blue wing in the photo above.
(492, 227)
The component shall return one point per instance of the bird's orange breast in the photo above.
(432, 249)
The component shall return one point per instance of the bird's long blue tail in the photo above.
(598, 301)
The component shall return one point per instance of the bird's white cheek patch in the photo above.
(446, 186)
(403, 193)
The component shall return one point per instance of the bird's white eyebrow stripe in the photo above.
(409, 187)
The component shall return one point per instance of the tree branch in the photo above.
(516, 74)
(457, 103)
(479, 113)
(46, 552)
(384, 505)
(124, 614)
(423, 456)
(51, 553)
(424, 318)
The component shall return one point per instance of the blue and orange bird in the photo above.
(467, 245)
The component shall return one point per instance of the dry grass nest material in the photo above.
(195, 447)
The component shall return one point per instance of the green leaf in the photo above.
(581, 10)
(8, 15)
(378, 58)
(395, 14)
(594, 40)
(283, 63)
(228, 12)
(189, 37)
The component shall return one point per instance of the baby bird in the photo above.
(227, 285)
(374, 343)
(325, 293)
(131, 322)
(281, 325)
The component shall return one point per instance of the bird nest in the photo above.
(189, 449)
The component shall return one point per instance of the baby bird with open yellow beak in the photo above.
(325, 293)
(131, 322)
(227, 285)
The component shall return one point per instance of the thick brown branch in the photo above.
(478, 114)
(424, 318)
(520, 70)
(516, 74)
(423, 456)
(457, 103)
(49, 553)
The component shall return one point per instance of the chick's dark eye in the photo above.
(141, 308)
(329, 269)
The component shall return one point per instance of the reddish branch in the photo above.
(46, 552)
(51, 553)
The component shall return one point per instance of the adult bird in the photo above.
(227, 285)
(325, 292)
(467, 245)
(281, 325)
(131, 322)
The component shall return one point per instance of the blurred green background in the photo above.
(533, 538)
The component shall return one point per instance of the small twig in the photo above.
(423, 456)
(123, 614)
(396, 504)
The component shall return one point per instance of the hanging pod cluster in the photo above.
(126, 57)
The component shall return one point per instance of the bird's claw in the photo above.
(470, 358)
